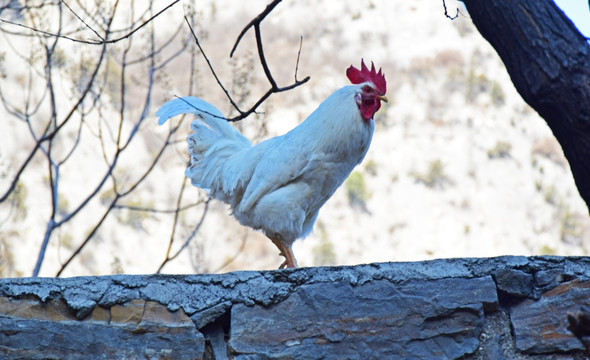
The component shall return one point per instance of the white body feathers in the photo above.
(280, 184)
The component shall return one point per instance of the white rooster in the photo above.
(279, 185)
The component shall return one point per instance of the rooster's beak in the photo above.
(382, 98)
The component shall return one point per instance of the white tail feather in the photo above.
(211, 145)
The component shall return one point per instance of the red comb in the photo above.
(357, 76)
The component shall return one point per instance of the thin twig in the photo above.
(257, 20)
(447, 13)
(298, 56)
(233, 258)
(200, 110)
(52, 223)
(157, 211)
(88, 238)
(265, 67)
(53, 168)
(211, 67)
(114, 203)
(91, 42)
(120, 147)
(259, 45)
(174, 223)
(48, 135)
(188, 240)
(82, 21)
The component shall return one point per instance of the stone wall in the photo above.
(497, 308)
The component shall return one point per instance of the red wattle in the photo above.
(368, 107)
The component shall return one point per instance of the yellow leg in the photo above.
(285, 251)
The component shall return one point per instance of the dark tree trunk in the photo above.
(549, 63)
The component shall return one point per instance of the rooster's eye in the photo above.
(367, 89)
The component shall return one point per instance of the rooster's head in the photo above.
(372, 88)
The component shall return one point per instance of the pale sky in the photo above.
(578, 12)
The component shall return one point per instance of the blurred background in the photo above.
(459, 165)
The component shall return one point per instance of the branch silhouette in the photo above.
(274, 88)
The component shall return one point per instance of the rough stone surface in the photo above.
(207, 316)
(441, 309)
(138, 330)
(579, 324)
(379, 319)
(515, 283)
(540, 326)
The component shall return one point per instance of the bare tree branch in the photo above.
(102, 40)
(178, 209)
(256, 21)
(233, 258)
(120, 145)
(186, 242)
(53, 171)
(114, 202)
(447, 12)
(210, 67)
(48, 135)
(274, 87)
(82, 21)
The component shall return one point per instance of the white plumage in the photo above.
(278, 185)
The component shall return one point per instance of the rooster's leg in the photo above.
(285, 251)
